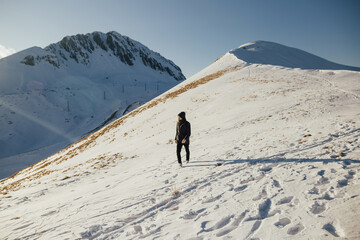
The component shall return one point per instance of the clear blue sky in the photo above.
(192, 33)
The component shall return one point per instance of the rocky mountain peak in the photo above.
(81, 48)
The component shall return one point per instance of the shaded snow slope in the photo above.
(51, 97)
(274, 155)
(263, 52)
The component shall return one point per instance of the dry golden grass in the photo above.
(175, 191)
(89, 141)
(16, 184)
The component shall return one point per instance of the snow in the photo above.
(263, 52)
(274, 155)
(45, 107)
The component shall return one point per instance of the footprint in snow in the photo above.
(323, 180)
(350, 175)
(233, 225)
(92, 232)
(314, 190)
(326, 196)
(264, 208)
(263, 211)
(296, 229)
(331, 229)
(255, 227)
(265, 169)
(192, 214)
(137, 229)
(276, 183)
(282, 222)
(342, 183)
(221, 223)
(241, 188)
(261, 195)
(212, 199)
(316, 208)
(284, 200)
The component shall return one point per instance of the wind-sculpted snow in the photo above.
(274, 155)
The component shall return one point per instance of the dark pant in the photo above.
(178, 150)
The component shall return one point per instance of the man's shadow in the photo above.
(222, 162)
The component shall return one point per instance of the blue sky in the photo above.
(192, 33)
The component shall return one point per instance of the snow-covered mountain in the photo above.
(274, 155)
(263, 52)
(51, 97)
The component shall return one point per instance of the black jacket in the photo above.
(183, 131)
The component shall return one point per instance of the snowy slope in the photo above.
(51, 97)
(274, 155)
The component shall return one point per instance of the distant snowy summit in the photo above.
(270, 53)
(80, 48)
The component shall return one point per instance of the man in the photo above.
(182, 137)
